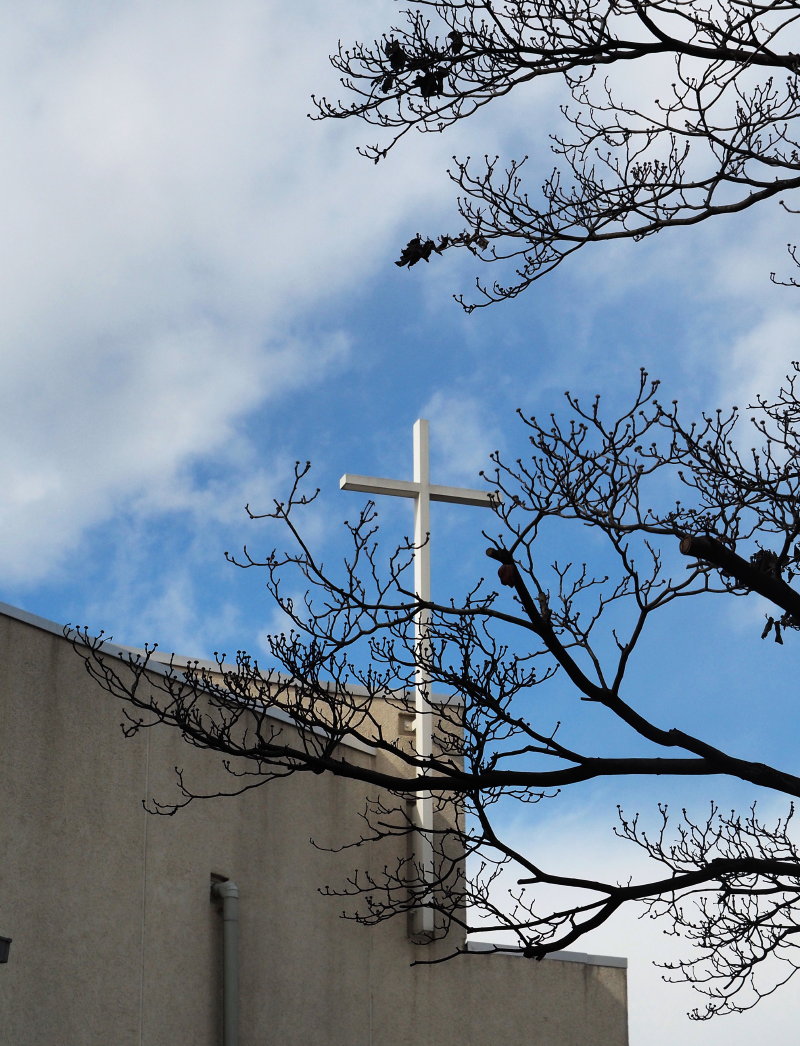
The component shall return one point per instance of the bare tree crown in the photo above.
(669, 512)
(718, 133)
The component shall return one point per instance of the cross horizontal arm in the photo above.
(463, 496)
(406, 489)
(376, 485)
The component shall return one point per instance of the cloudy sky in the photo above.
(199, 290)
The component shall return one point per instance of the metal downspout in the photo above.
(228, 893)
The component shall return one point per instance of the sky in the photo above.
(200, 291)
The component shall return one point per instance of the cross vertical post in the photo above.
(422, 491)
(423, 719)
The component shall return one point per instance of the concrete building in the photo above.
(116, 939)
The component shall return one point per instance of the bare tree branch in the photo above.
(718, 135)
(670, 512)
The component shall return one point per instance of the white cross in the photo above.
(423, 492)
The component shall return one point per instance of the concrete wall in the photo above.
(116, 941)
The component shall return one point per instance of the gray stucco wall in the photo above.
(116, 941)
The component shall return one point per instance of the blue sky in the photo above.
(200, 289)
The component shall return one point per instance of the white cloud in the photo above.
(85, 436)
(761, 357)
(463, 435)
(171, 215)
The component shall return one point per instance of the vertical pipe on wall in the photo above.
(228, 893)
